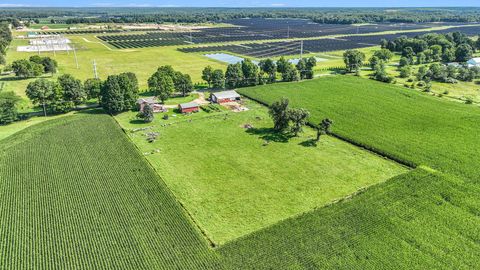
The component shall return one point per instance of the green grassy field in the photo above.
(401, 123)
(227, 179)
(75, 193)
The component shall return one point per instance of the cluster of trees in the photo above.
(34, 66)
(447, 74)
(8, 107)
(5, 39)
(286, 119)
(166, 81)
(119, 93)
(198, 15)
(247, 73)
(57, 96)
(433, 47)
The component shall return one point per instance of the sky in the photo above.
(236, 3)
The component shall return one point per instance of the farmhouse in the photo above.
(225, 96)
(474, 62)
(188, 107)
(157, 107)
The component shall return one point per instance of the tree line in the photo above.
(201, 15)
(33, 67)
(246, 73)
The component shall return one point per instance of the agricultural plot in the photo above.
(225, 176)
(403, 124)
(75, 193)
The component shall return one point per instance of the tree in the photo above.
(269, 67)
(405, 71)
(404, 62)
(463, 53)
(72, 89)
(290, 73)
(282, 64)
(207, 74)
(161, 83)
(380, 73)
(323, 128)
(250, 73)
(129, 84)
(26, 69)
(299, 119)
(49, 64)
(421, 58)
(353, 60)
(448, 55)
(305, 67)
(42, 92)
(184, 84)
(383, 54)
(8, 107)
(218, 79)
(383, 43)
(146, 114)
(279, 113)
(233, 75)
(111, 95)
(436, 53)
(92, 87)
(373, 61)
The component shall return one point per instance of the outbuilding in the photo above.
(225, 96)
(188, 107)
(157, 107)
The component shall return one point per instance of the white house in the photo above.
(474, 62)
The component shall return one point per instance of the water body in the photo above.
(232, 59)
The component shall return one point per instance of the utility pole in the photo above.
(95, 69)
(301, 49)
(75, 56)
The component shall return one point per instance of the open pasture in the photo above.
(404, 124)
(234, 180)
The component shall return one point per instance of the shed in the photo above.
(225, 96)
(188, 107)
(474, 62)
(45, 27)
(157, 107)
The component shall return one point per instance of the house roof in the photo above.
(149, 100)
(226, 94)
(188, 105)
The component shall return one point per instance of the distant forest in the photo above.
(202, 15)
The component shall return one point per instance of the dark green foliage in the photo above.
(270, 68)
(146, 114)
(119, 93)
(323, 128)
(463, 53)
(49, 65)
(279, 113)
(207, 74)
(42, 92)
(405, 71)
(8, 107)
(27, 69)
(72, 88)
(353, 60)
(299, 118)
(234, 76)
(183, 83)
(305, 67)
(161, 83)
(250, 73)
(383, 54)
(380, 74)
(290, 73)
(92, 87)
(218, 79)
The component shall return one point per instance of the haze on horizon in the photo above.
(247, 3)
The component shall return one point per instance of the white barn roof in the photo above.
(231, 94)
(474, 61)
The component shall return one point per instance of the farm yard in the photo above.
(156, 140)
(220, 176)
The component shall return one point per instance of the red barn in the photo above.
(188, 107)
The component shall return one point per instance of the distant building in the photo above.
(225, 96)
(474, 62)
(188, 107)
(156, 106)
(45, 27)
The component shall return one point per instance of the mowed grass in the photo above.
(398, 122)
(143, 61)
(75, 193)
(233, 183)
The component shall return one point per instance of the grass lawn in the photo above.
(232, 184)
(402, 123)
(143, 62)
